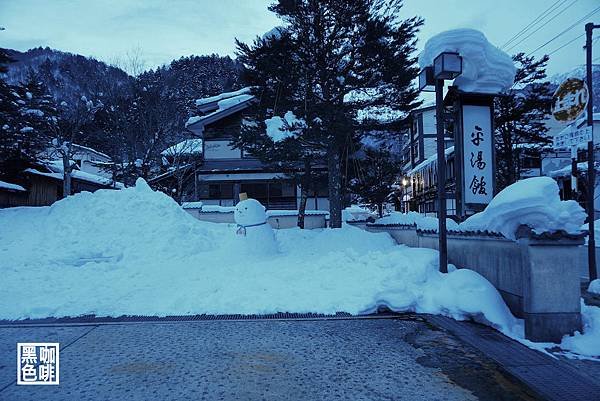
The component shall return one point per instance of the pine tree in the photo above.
(379, 173)
(520, 116)
(336, 60)
(9, 116)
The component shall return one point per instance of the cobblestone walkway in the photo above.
(365, 359)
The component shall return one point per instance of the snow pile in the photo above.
(87, 229)
(594, 287)
(137, 252)
(534, 202)
(413, 218)
(588, 343)
(485, 69)
(356, 212)
(279, 129)
(431, 223)
(409, 218)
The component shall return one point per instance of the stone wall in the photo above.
(538, 276)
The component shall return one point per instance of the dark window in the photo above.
(275, 189)
(214, 191)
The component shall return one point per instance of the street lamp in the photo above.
(426, 80)
(447, 65)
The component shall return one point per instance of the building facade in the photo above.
(225, 171)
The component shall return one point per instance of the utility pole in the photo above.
(589, 28)
(441, 174)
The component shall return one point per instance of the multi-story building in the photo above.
(223, 171)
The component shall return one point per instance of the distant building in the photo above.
(420, 169)
(223, 172)
(41, 183)
(557, 162)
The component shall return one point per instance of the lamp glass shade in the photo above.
(426, 80)
(447, 65)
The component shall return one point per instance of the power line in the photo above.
(543, 25)
(566, 30)
(566, 44)
(530, 24)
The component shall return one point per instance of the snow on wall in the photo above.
(534, 202)
(486, 68)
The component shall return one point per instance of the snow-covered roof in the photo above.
(431, 159)
(57, 172)
(186, 147)
(87, 149)
(11, 187)
(225, 95)
(225, 107)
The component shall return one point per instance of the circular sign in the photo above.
(569, 100)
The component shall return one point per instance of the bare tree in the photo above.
(73, 125)
(182, 160)
(132, 61)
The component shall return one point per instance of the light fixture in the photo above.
(426, 80)
(447, 65)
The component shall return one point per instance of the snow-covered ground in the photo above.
(136, 251)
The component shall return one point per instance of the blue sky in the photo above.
(165, 30)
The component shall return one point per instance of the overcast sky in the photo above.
(166, 30)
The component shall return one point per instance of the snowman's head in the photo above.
(249, 211)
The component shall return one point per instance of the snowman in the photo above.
(253, 231)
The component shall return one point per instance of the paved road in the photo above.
(375, 359)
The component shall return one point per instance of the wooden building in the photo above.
(224, 171)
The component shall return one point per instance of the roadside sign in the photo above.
(573, 138)
(569, 100)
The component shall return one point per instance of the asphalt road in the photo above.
(363, 359)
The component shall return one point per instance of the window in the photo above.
(214, 191)
(275, 189)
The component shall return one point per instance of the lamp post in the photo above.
(447, 65)
(589, 28)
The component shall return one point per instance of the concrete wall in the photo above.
(279, 222)
(291, 221)
(539, 279)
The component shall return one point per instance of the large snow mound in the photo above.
(485, 69)
(534, 202)
(137, 252)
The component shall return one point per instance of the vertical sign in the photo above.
(478, 174)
